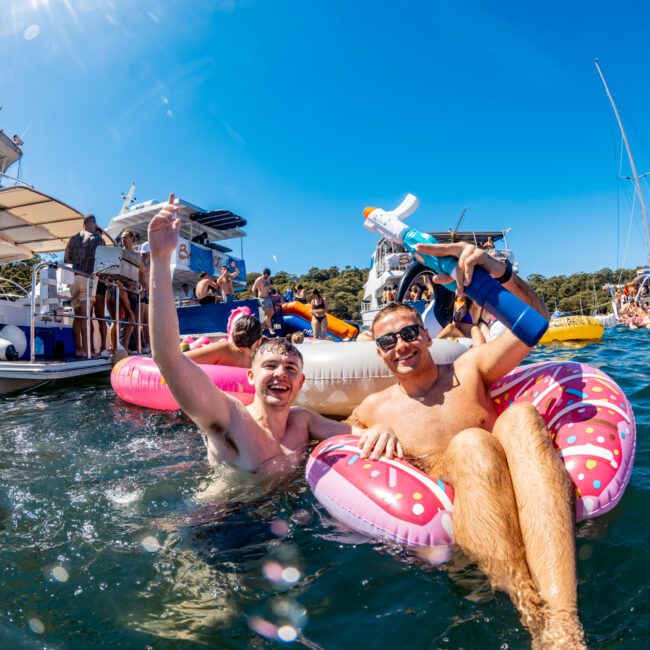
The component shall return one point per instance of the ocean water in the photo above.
(104, 542)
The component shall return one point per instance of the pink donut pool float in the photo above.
(591, 424)
(139, 381)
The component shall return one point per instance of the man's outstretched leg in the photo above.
(486, 524)
(545, 505)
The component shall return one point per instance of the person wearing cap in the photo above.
(80, 254)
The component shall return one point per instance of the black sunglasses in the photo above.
(408, 334)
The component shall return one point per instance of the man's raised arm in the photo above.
(193, 390)
(498, 357)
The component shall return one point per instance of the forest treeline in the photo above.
(343, 288)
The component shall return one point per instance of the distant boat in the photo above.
(392, 266)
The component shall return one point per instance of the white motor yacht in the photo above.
(391, 265)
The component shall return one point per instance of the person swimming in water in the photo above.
(268, 429)
(236, 351)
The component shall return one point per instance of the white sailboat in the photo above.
(639, 195)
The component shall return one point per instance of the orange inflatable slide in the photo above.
(335, 325)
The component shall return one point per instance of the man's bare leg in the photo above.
(486, 525)
(545, 505)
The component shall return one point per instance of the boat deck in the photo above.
(20, 376)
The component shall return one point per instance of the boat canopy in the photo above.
(217, 224)
(32, 223)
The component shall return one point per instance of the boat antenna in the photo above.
(635, 176)
(128, 199)
(462, 216)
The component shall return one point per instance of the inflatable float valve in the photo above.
(527, 324)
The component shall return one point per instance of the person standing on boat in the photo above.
(514, 503)
(262, 291)
(225, 281)
(268, 434)
(318, 306)
(203, 287)
(80, 254)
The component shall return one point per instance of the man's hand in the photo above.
(163, 230)
(380, 438)
(469, 256)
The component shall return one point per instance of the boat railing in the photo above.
(90, 277)
(6, 294)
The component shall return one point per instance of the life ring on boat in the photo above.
(138, 380)
(591, 424)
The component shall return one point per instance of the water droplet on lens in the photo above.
(31, 32)
(36, 625)
(150, 544)
(291, 574)
(287, 633)
(279, 527)
(59, 573)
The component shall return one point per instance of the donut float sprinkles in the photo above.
(591, 425)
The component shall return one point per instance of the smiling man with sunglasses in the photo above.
(513, 507)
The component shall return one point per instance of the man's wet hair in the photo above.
(246, 332)
(266, 271)
(278, 346)
(393, 307)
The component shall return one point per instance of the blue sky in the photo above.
(298, 114)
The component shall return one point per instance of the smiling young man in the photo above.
(513, 507)
(252, 436)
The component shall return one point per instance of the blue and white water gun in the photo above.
(527, 324)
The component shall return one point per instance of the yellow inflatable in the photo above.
(573, 328)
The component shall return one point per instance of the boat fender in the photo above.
(16, 337)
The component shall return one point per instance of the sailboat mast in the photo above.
(635, 176)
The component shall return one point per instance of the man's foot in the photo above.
(563, 630)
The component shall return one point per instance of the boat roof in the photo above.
(218, 224)
(470, 236)
(10, 151)
(33, 223)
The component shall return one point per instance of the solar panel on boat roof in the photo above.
(219, 219)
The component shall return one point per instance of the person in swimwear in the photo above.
(466, 322)
(225, 281)
(514, 503)
(237, 351)
(262, 291)
(269, 430)
(318, 315)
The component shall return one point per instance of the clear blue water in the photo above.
(103, 543)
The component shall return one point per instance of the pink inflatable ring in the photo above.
(591, 424)
(138, 380)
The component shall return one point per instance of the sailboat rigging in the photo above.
(635, 176)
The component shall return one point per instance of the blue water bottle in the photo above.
(526, 323)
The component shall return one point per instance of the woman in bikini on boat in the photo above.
(318, 315)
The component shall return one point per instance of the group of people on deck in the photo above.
(513, 508)
(100, 298)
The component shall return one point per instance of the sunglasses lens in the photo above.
(409, 333)
(387, 341)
